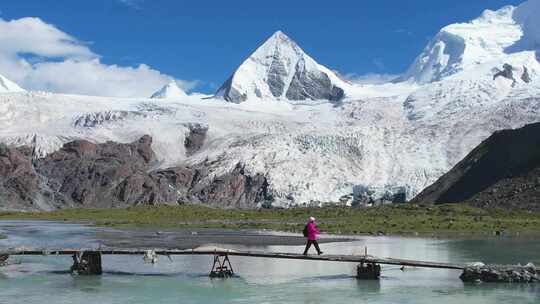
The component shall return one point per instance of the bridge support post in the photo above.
(368, 271)
(87, 263)
(221, 268)
(3, 259)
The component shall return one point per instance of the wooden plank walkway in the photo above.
(258, 254)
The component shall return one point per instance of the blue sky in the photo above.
(206, 40)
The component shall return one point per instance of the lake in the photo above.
(185, 278)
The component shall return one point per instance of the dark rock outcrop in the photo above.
(230, 93)
(525, 76)
(507, 73)
(19, 183)
(312, 85)
(195, 138)
(503, 171)
(88, 175)
(234, 189)
(84, 174)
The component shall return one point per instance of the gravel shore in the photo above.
(191, 238)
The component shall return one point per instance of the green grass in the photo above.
(393, 219)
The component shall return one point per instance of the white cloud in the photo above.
(39, 56)
(371, 78)
(31, 35)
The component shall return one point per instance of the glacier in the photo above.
(280, 116)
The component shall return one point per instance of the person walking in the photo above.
(312, 234)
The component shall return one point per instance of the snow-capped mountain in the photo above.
(8, 86)
(169, 91)
(465, 46)
(281, 69)
(386, 141)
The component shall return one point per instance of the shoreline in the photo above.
(192, 238)
(443, 221)
(259, 237)
(189, 238)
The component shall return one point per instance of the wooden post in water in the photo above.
(222, 267)
(87, 263)
(3, 259)
(369, 271)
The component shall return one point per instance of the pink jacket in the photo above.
(313, 232)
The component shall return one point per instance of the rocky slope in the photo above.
(503, 171)
(87, 175)
(280, 69)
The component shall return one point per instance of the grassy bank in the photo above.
(395, 219)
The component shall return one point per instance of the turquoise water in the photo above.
(185, 280)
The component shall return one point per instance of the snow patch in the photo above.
(169, 91)
(8, 86)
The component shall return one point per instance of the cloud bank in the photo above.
(39, 56)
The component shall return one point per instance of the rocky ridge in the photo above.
(88, 175)
(503, 171)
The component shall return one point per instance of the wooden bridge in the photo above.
(88, 261)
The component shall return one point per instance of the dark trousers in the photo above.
(308, 245)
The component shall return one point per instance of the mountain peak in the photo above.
(279, 35)
(280, 69)
(8, 86)
(460, 46)
(170, 90)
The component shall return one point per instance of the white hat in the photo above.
(311, 219)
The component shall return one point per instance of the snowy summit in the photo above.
(281, 69)
(169, 91)
(463, 46)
